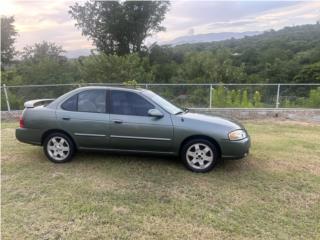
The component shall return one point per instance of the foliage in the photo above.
(11, 77)
(271, 57)
(42, 50)
(104, 68)
(131, 83)
(43, 63)
(214, 67)
(309, 73)
(222, 97)
(244, 100)
(119, 27)
(8, 35)
(290, 55)
(257, 99)
(314, 98)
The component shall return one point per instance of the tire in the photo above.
(200, 155)
(58, 148)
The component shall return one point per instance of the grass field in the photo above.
(273, 194)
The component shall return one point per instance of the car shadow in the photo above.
(123, 156)
(151, 159)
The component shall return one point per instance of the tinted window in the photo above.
(162, 102)
(128, 103)
(92, 101)
(71, 103)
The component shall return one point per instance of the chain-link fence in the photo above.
(188, 95)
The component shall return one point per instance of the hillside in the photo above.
(291, 54)
(210, 37)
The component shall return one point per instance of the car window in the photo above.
(162, 102)
(71, 103)
(92, 101)
(129, 103)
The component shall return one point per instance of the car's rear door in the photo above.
(86, 118)
(131, 128)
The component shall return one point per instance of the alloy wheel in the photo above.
(199, 156)
(58, 148)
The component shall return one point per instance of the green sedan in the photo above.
(129, 120)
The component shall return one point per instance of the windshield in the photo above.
(162, 102)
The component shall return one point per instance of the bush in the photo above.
(131, 83)
(222, 97)
(257, 99)
(314, 98)
(115, 69)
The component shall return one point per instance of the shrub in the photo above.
(222, 97)
(257, 99)
(314, 98)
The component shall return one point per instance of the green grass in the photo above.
(273, 194)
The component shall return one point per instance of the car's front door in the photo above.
(131, 128)
(85, 117)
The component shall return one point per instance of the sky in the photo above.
(38, 20)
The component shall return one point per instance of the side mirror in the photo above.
(155, 113)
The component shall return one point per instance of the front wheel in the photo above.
(199, 155)
(58, 148)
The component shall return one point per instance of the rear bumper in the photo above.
(31, 136)
(235, 149)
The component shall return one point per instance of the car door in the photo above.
(131, 128)
(85, 117)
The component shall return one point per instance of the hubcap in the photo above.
(58, 148)
(199, 156)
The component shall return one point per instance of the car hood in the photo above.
(232, 124)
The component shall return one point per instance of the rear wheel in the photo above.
(199, 155)
(58, 148)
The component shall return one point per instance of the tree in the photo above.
(104, 68)
(8, 37)
(309, 73)
(119, 27)
(42, 50)
(44, 63)
(207, 66)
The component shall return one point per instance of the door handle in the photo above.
(65, 118)
(118, 121)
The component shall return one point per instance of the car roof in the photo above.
(131, 89)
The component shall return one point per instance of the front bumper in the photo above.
(235, 149)
(31, 136)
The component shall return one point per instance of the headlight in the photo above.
(237, 135)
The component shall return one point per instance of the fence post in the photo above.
(278, 96)
(7, 99)
(146, 86)
(210, 104)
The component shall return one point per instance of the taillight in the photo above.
(21, 122)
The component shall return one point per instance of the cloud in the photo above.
(245, 16)
(38, 20)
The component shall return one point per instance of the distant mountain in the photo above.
(199, 38)
(77, 53)
(210, 37)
